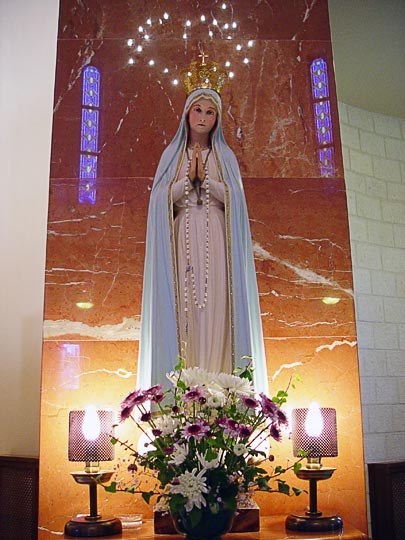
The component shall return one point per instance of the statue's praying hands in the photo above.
(196, 166)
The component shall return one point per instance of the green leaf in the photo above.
(283, 487)
(112, 488)
(176, 503)
(297, 467)
(146, 496)
(297, 491)
(180, 364)
(195, 516)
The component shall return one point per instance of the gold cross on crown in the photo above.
(202, 74)
(203, 56)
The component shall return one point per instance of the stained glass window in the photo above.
(322, 116)
(89, 136)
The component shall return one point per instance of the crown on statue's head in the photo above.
(202, 74)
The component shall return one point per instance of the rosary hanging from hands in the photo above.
(200, 171)
(197, 173)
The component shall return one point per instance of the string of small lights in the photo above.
(225, 28)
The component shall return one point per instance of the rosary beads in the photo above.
(189, 267)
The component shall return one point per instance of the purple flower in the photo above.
(158, 397)
(193, 394)
(282, 417)
(134, 398)
(145, 417)
(221, 422)
(275, 432)
(156, 389)
(232, 428)
(249, 402)
(269, 408)
(168, 450)
(244, 431)
(156, 432)
(197, 430)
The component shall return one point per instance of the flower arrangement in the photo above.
(204, 436)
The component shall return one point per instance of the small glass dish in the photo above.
(130, 521)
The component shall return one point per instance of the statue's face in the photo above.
(202, 116)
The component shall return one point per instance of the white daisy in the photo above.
(235, 384)
(166, 424)
(239, 449)
(179, 454)
(192, 486)
(212, 464)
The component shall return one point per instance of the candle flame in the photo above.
(313, 421)
(91, 424)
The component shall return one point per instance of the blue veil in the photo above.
(160, 341)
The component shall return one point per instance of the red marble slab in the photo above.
(95, 253)
(273, 19)
(267, 106)
(76, 374)
(300, 237)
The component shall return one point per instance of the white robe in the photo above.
(161, 333)
(204, 330)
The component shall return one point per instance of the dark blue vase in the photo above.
(211, 526)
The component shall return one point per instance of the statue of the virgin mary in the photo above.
(200, 298)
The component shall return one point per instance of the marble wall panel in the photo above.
(95, 253)
(273, 19)
(77, 373)
(268, 108)
(298, 220)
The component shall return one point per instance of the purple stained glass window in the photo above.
(91, 87)
(89, 136)
(326, 161)
(322, 116)
(323, 122)
(319, 76)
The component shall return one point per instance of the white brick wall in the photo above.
(374, 162)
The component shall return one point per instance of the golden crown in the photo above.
(202, 74)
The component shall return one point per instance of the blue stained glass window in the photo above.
(326, 161)
(322, 116)
(89, 136)
(88, 166)
(319, 76)
(87, 191)
(91, 87)
(89, 139)
(323, 122)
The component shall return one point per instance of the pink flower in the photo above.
(145, 417)
(193, 394)
(134, 398)
(155, 393)
(269, 408)
(282, 417)
(232, 428)
(275, 432)
(197, 430)
(154, 389)
(244, 431)
(249, 402)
